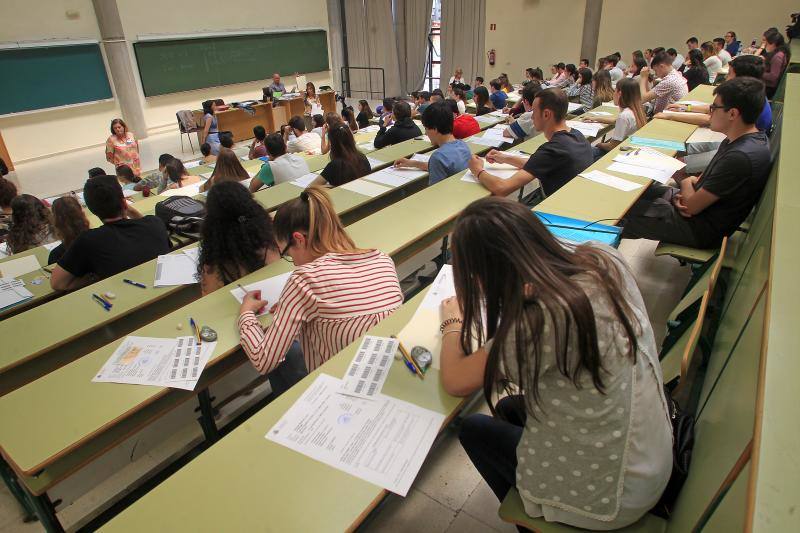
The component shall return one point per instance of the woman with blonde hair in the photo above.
(69, 221)
(631, 117)
(228, 168)
(318, 304)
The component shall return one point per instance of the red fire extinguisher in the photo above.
(491, 55)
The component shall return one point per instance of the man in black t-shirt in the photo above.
(566, 153)
(125, 239)
(706, 208)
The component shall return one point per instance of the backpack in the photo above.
(182, 215)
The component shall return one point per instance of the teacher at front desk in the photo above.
(275, 87)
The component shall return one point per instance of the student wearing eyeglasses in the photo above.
(706, 208)
(335, 294)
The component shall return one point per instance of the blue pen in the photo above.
(135, 283)
(106, 305)
(410, 366)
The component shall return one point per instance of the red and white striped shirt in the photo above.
(327, 303)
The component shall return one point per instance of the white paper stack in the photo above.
(192, 164)
(304, 181)
(176, 269)
(499, 170)
(12, 292)
(572, 106)
(13, 268)
(369, 129)
(486, 119)
(421, 157)
(395, 176)
(375, 162)
(589, 129)
(367, 188)
(611, 181)
(648, 163)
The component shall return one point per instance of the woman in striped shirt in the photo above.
(335, 294)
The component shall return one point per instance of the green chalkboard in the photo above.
(51, 76)
(172, 66)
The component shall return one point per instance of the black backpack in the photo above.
(182, 215)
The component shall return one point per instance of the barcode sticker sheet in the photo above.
(368, 369)
(188, 361)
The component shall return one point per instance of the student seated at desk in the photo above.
(31, 224)
(304, 141)
(257, 146)
(403, 127)
(158, 181)
(461, 100)
(127, 179)
(602, 89)
(481, 98)
(776, 58)
(451, 156)
(385, 118)
(364, 114)
(8, 191)
(711, 60)
(228, 168)
(744, 66)
(208, 157)
(179, 176)
(722, 53)
(522, 126)
(706, 208)
(463, 125)
(583, 429)
(281, 167)
(496, 95)
(317, 304)
(631, 116)
(565, 154)
(125, 239)
(349, 118)
(226, 140)
(69, 222)
(318, 121)
(347, 162)
(583, 90)
(696, 72)
(669, 90)
(236, 237)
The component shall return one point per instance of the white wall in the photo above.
(47, 132)
(627, 25)
(532, 33)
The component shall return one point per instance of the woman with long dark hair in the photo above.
(347, 163)
(776, 57)
(31, 224)
(210, 133)
(583, 431)
(69, 221)
(236, 238)
(697, 72)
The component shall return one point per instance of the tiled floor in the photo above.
(448, 495)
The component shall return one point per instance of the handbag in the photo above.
(682, 445)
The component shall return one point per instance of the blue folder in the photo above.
(579, 231)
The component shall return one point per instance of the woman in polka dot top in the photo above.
(562, 333)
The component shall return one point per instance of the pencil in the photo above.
(410, 359)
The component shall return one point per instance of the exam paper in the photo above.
(369, 147)
(486, 119)
(497, 113)
(367, 188)
(691, 102)
(442, 288)
(370, 366)
(612, 181)
(192, 164)
(304, 181)
(175, 269)
(369, 129)
(271, 289)
(421, 157)
(375, 162)
(422, 329)
(395, 176)
(14, 268)
(383, 441)
(589, 129)
(600, 113)
(705, 135)
(655, 174)
(12, 292)
(206, 175)
(469, 177)
(650, 158)
(572, 106)
(158, 362)
(494, 142)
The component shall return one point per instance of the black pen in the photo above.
(135, 283)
